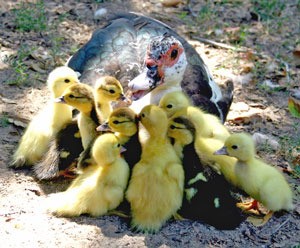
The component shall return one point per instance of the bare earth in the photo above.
(256, 109)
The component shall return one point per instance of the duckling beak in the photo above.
(222, 151)
(103, 127)
(122, 149)
(124, 99)
(60, 99)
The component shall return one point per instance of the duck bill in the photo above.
(60, 100)
(222, 151)
(103, 127)
(141, 85)
(124, 99)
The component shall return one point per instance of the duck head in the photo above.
(165, 63)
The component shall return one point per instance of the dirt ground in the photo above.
(261, 56)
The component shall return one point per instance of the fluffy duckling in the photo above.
(100, 188)
(81, 97)
(174, 101)
(207, 142)
(45, 125)
(207, 194)
(62, 155)
(155, 189)
(107, 90)
(124, 123)
(261, 181)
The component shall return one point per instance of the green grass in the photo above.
(30, 17)
(4, 120)
(268, 9)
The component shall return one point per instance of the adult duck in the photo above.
(145, 54)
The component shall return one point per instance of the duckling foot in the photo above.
(118, 213)
(250, 207)
(260, 221)
(178, 217)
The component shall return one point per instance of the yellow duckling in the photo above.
(81, 97)
(261, 181)
(107, 90)
(100, 188)
(124, 123)
(173, 101)
(155, 189)
(45, 125)
(207, 194)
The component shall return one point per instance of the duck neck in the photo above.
(103, 110)
(62, 114)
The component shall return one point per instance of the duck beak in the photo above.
(222, 151)
(103, 127)
(60, 99)
(124, 99)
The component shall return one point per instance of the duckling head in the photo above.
(182, 130)
(79, 96)
(122, 120)
(174, 101)
(106, 149)
(165, 64)
(109, 88)
(61, 78)
(238, 145)
(154, 119)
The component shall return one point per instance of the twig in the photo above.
(281, 225)
(219, 44)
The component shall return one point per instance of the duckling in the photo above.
(207, 194)
(174, 101)
(101, 188)
(107, 90)
(47, 123)
(261, 181)
(81, 97)
(207, 142)
(124, 123)
(62, 155)
(155, 188)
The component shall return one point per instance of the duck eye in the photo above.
(143, 115)
(234, 147)
(174, 54)
(71, 96)
(115, 122)
(169, 106)
(172, 127)
(67, 80)
(111, 91)
(119, 145)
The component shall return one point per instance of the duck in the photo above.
(150, 58)
(261, 181)
(123, 122)
(207, 194)
(62, 155)
(155, 189)
(100, 189)
(107, 91)
(48, 122)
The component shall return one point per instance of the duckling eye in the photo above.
(111, 91)
(169, 106)
(234, 147)
(172, 127)
(118, 145)
(67, 80)
(116, 122)
(71, 96)
(143, 115)
(174, 54)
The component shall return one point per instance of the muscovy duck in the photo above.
(134, 48)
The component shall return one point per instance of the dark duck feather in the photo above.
(207, 194)
(133, 46)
